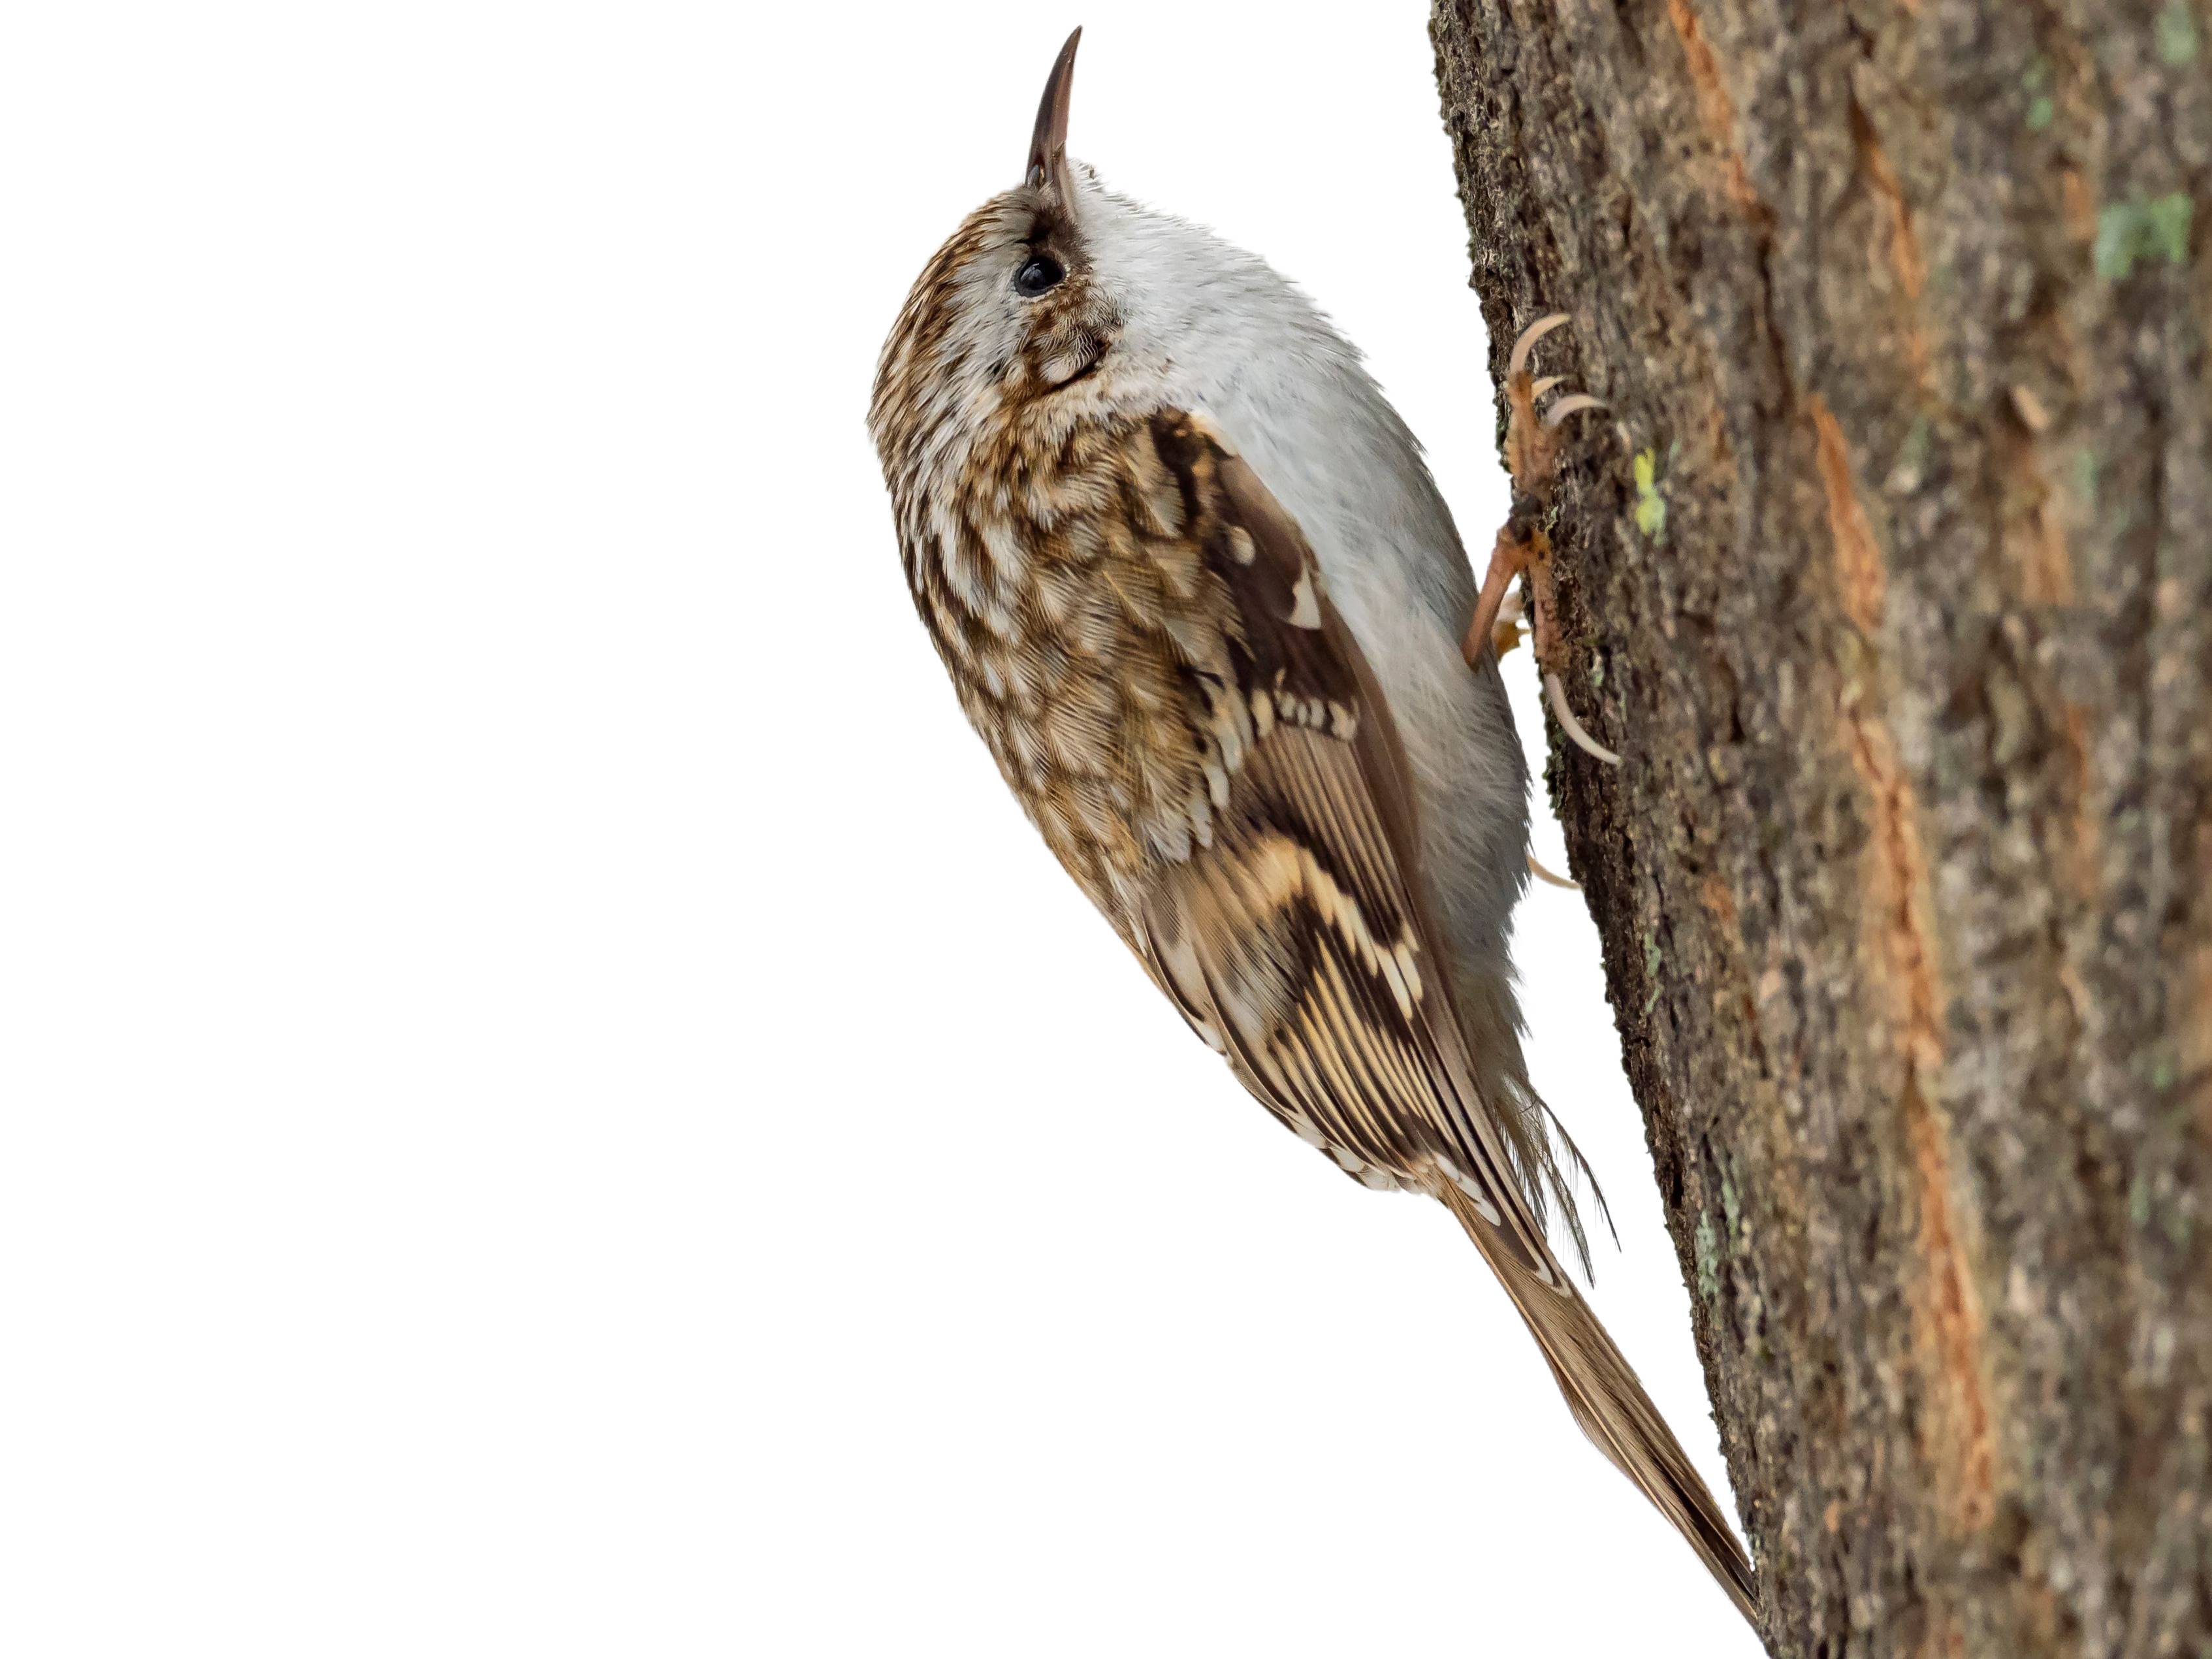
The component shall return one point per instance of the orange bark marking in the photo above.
(1715, 109)
(1947, 1318)
(1719, 900)
(1858, 560)
(1906, 261)
(1900, 939)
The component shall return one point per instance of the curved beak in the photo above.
(1048, 169)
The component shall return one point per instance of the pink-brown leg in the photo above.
(1532, 457)
(1507, 558)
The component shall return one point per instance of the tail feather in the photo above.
(1607, 1400)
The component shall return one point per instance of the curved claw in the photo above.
(1535, 331)
(1558, 413)
(1542, 874)
(1545, 385)
(1573, 727)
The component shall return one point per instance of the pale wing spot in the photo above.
(1006, 552)
(1193, 638)
(1272, 876)
(1170, 842)
(1313, 712)
(1408, 967)
(1466, 1184)
(1235, 726)
(1394, 974)
(1305, 607)
(1199, 809)
(1158, 491)
(956, 563)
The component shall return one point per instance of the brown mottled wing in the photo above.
(1297, 940)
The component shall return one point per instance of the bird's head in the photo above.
(1015, 306)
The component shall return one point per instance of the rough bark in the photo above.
(1893, 583)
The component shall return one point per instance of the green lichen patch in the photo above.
(2087, 466)
(2177, 34)
(2169, 218)
(2037, 84)
(1708, 1248)
(2143, 228)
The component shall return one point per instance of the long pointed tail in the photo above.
(1611, 1406)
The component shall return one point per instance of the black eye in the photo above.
(1041, 274)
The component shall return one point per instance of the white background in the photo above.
(551, 1103)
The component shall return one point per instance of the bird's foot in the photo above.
(1523, 549)
(1508, 631)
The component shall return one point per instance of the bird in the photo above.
(1198, 593)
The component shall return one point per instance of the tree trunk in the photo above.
(1893, 583)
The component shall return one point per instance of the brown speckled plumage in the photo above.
(1145, 638)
